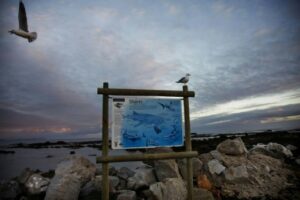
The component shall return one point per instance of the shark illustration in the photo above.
(145, 119)
(131, 137)
(173, 133)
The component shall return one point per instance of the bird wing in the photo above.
(181, 80)
(22, 17)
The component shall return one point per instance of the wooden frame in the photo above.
(105, 159)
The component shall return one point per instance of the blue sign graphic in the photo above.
(145, 123)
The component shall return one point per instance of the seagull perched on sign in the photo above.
(23, 27)
(184, 79)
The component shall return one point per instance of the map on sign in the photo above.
(145, 123)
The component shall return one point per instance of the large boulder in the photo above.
(143, 178)
(37, 184)
(203, 194)
(229, 160)
(232, 147)
(166, 169)
(93, 189)
(291, 147)
(215, 167)
(170, 188)
(237, 174)
(70, 175)
(25, 174)
(78, 166)
(63, 188)
(197, 166)
(127, 195)
(124, 173)
(272, 149)
(279, 149)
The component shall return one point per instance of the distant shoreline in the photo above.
(198, 140)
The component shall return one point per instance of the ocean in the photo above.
(45, 159)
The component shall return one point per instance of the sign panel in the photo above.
(146, 123)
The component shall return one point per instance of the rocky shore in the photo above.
(262, 166)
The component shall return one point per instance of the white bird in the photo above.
(184, 79)
(23, 27)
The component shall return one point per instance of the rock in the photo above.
(229, 160)
(143, 178)
(272, 149)
(37, 184)
(217, 155)
(112, 171)
(232, 147)
(261, 149)
(124, 173)
(122, 185)
(146, 194)
(113, 182)
(92, 189)
(279, 149)
(166, 169)
(203, 194)
(260, 176)
(215, 166)
(156, 190)
(25, 174)
(237, 174)
(197, 166)
(64, 187)
(127, 195)
(291, 147)
(170, 188)
(70, 175)
(203, 182)
(79, 166)
(99, 171)
(9, 189)
(205, 157)
(297, 161)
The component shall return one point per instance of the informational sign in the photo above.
(146, 123)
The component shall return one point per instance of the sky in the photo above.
(243, 57)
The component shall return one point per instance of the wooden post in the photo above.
(188, 144)
(105, 143)
(105, 159)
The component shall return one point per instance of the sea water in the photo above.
(44, 159)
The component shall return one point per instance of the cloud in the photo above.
(240, 67)
(282, 117)
(250, 104)
(220, 7)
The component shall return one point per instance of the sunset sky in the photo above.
(243, 57)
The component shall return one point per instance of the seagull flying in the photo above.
(184, 79)
(23, 27)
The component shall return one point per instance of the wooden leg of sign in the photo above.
(105, 181)
(188, 144)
